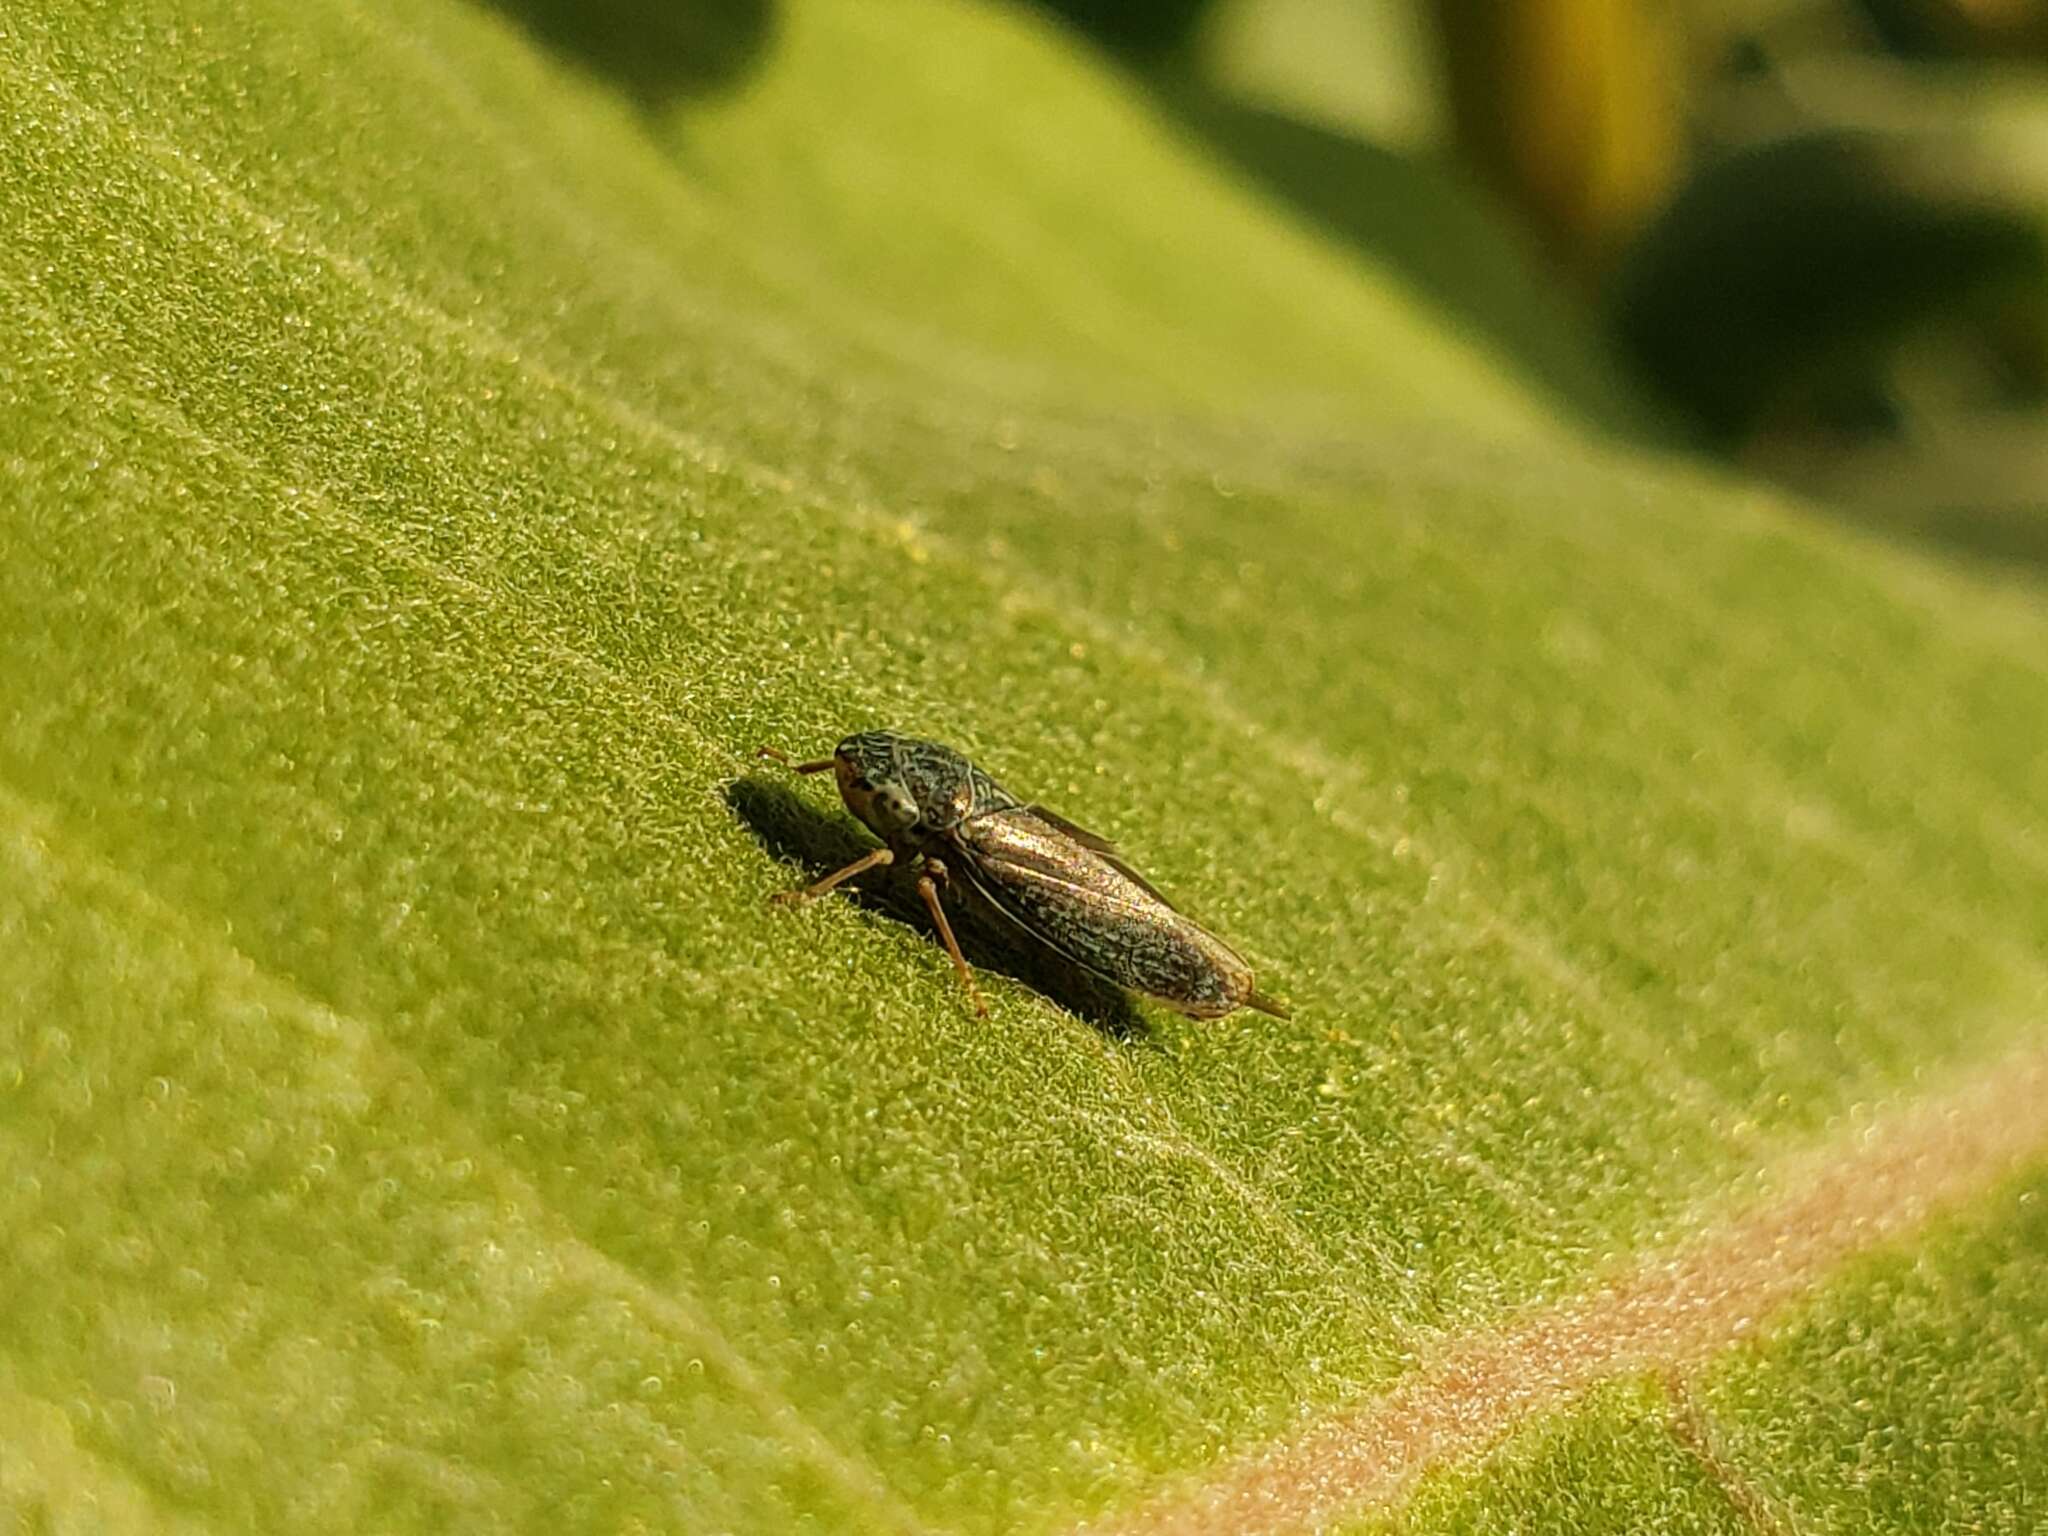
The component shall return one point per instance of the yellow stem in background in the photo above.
(1573, 110)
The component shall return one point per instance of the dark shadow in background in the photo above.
(654, 51)
(1796, 267)
(1783, 297)
(795, 831)
(1136, 28)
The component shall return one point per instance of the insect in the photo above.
(1060, 884)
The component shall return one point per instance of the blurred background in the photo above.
(1802, 236)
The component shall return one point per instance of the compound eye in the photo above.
(894, 808)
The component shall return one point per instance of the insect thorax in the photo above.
(948, 788)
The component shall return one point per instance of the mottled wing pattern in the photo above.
(1087, 904)
(1099, 844)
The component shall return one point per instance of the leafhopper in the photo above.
(943, 818)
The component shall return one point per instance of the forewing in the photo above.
(1090, 907)
(1102, 845)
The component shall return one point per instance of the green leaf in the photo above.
(428, 474)
(1611, 1467)
(1913, 1391)
(1908, 1396)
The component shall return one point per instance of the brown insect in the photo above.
(1063, 886)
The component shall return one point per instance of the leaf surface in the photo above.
(426, 478)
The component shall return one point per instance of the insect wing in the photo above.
(1096, 843)
(1090, 907)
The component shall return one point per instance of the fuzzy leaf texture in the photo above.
(429, 470)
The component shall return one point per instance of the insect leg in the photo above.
(778, 755)
(928, 888)
(819, 888)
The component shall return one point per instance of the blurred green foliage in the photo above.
(1812, 229)
(1837, 285)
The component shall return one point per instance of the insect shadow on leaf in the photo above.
(820, 841)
